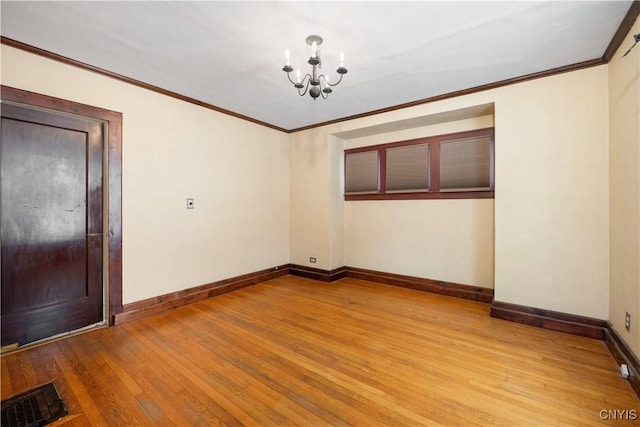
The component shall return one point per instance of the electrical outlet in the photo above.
(627, 321)
(312, 260)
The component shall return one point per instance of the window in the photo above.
(458, 165)
(465, 164)
(362, 172)
(408, 168)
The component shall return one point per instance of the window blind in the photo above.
(361, 172)
(465, 164)
(408, 168)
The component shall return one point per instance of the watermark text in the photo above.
(618, 414)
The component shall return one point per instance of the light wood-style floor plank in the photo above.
(293, 351)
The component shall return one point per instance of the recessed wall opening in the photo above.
(450, 239)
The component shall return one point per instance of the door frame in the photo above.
(113, 208)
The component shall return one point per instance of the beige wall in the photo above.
(336, 203)
(552, 234)
(449, 240)
(310, 216)
(624, 183)
(550, 238)
(237, 172)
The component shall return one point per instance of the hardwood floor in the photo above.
(294, 351)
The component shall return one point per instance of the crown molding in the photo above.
(623, 30)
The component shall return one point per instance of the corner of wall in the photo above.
(624, 188)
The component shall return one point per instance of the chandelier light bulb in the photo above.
(298, 74)
(342, 59)
(287, 55)
(314, 48)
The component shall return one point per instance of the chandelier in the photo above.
(314, 83)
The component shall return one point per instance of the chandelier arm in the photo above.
(336, 83)
(326, 82)
(289, 77)
(307, 77)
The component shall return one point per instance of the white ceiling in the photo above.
(230, 54)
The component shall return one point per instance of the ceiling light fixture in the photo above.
(320, 85)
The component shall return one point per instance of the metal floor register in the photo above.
(37, 407)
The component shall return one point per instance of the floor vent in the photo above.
(37, 407)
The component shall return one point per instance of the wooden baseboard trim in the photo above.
(317, 273)
(163, 303)
(623, 354)
(548, 319)
(427, 285)
(457, 290)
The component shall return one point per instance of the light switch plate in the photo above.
(189, 203)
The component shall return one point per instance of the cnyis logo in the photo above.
(619, 414)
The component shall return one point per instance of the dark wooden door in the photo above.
(51, 219)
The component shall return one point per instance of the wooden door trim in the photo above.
(114, 176)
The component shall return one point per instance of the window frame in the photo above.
(434, 169)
